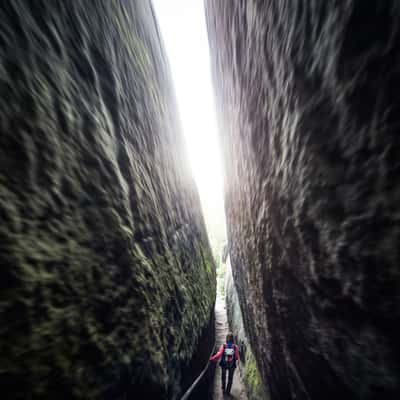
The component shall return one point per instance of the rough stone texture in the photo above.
(308, 100)
(247, 365)
(107, 279)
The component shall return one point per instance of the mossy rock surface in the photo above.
(107, 278)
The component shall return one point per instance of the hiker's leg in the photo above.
(223, 378)
(230, 379)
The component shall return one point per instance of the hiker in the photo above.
(229, 355)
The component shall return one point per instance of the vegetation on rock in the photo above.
(108, 281)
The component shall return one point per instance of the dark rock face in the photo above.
(308, 100)
(247, 365)
(107, 279)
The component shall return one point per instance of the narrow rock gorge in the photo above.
(308, 108)
(107, 278)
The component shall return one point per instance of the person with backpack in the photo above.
(228, 355)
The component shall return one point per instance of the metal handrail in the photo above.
(198, 379)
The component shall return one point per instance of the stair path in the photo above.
(222, 328)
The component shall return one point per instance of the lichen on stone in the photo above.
(107, 277)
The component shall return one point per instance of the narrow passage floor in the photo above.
(222, 328)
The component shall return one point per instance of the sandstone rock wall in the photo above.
(107, 279)
(307, 95)
(247, 365)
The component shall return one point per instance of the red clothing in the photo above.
(217, 356)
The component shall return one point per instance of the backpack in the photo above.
(228, 356)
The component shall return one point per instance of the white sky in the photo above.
(184, 31)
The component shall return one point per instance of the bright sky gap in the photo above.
(183, 28)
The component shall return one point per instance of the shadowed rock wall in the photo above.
(107, 279)
(307, 95)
